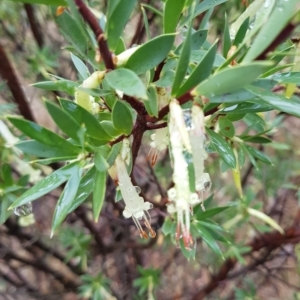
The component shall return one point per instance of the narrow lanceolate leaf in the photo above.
(151, 104)
(201, 215)
(46, 185)
(82, 116)
(66, 86)
(172, 13)
(241, 33)
(43, 135)
(99, 193)
(66, 198)
(208, 239)
(86, 186)
(80, 66)
(279, 102)
(201, 72)
(63, 120)
(42, 150)
(118, 14)
(150, 54)
(122, 117)
(258, 154)
(100, 162)
(202, 7)
(183, 62)
(223, 148)
(262, 216)
(231, 79)
(128, 82)
(280, 16)
(226, 38)
(74, 34)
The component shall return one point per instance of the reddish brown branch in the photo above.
(34, 25)
(8, 74)
(282, 36)
(269, 241)
(99, 34)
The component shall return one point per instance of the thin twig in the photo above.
(7, 72)
(99, 34)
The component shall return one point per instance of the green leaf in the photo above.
(86, 186)
(46, 2)
(66, 198)
(258, 154)
(110, 129)
(167, 227)
(280, 16)
(63, 120)
(279, 102)
(206, 5)
(256, 139)
(246, 107)
(241, 32)
(209, 213)
(74, 34)
(202, 7)
(80, 66)
(233, 97)
(82, 116)
(151, 104)
(172, 14)
(198, 38)
(48, 161)
(66, 86)
(208, 239)
(226, 127)
(150, 54)
(43, 135)
(122, 117)
(290, 77)
(42, 150)
(183, 62)
(100, 162)
(166, 79)
(226, 38)
(146, 23)
(128, 82)
(231, 79)
(46, 185)
(223, 148)
(201, 72)
(99, 193)
(118, 14)
(114, 152)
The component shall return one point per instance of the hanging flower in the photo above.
(180, 195)
(197, 138)
(135, 206)
(160, 142)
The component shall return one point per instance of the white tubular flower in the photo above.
(176, 117)
(83, 98)
(180, 194)
(135, 206)
(160, 142)
(197, 138)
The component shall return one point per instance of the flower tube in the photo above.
(135, 206)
